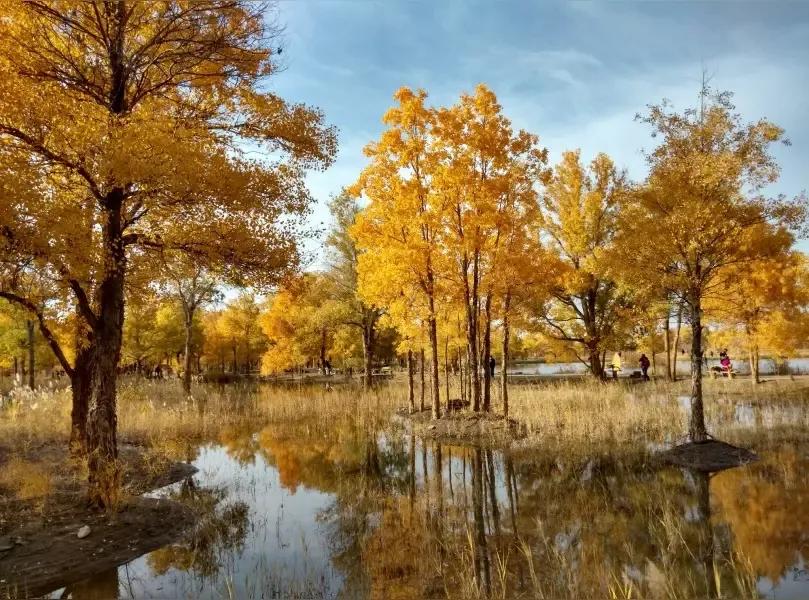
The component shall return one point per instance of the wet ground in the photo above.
(327, 510)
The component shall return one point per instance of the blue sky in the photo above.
(575, 73)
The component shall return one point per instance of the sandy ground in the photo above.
(39, 547)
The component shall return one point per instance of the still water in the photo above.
(326, 510)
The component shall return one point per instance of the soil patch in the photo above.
(466, 426)
(708, 456)
(39, 547)
(43, 556)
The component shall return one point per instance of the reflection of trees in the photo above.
(103, 586)
(220, 529)
(766, 505)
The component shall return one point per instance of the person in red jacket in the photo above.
(644, 366)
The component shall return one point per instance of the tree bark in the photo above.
(504, 365)
(696, 429)
(446, 369)
(411, 398)
(29, 326)
(81, 381)
(104, 470)
(593, 355)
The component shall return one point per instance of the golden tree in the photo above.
(486, 176)
(398, 232)
(581, 217)
(127, 120)
(697, 220)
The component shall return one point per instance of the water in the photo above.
(767, 366)
(326, 510)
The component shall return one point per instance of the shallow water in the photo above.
(326, 510)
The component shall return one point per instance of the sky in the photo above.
(574, 73)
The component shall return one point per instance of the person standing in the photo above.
(616, 364)
(492, 364)
(644, 366)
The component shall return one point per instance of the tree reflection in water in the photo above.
(407, 518)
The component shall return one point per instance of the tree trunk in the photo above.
(677, 341)
(29, 326)
(504, 361)
(421, 374)
(667, 343)
(596, 366)
(434, 390)
(189, 320)
(696, 429)
(411, 398)
(487, 353)
(81, 381)
(104, 470)
(368, 354)
(754, 364)
(446, 369)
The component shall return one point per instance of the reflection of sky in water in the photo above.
(766, 367)
(794, 585)
(284, 543)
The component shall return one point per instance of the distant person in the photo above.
(327, 366)
(616, 365)
(727, 364)
(492, 364)
(644, 366)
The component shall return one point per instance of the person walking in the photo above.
(644, 366)
(492, 364)
(616, 364)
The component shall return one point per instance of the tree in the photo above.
(757, 297)
(240, 322)
(131, 118)
(398, 232)
(581, 218)
(697, 218)
(486, 176)
(194, 287)
(343, 271)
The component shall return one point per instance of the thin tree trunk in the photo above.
(667, 342)
(368, 354)
(677, 341)
(29, 326)
(754, 364)
(411, 398)
(696, 430)
(487, 353)
(189, 319)
(504, 365)
(446, 368)
(434, 390)
(421, 374)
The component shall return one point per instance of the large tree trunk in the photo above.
(696, 429)
(81, 381)
(29, 326)
(504, 362)
(596, 365)
(189, 320)
(487, 353)
(104, 470)
(411, 397)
